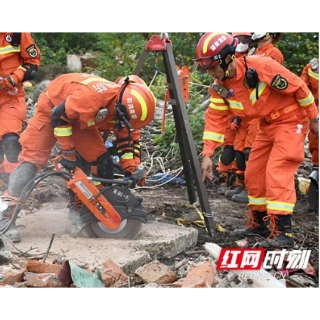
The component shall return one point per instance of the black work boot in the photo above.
(241, 197)
(281, 233)
(222, 182)
(257, 224)
(20, 177)
(237, 187)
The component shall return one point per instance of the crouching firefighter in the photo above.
(125, 148)
(69, 112)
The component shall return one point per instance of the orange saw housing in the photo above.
(90, 196)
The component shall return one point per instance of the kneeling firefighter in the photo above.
(70, 112)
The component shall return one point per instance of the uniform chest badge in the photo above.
(32, 51)
(279, 82)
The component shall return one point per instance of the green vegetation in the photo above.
(118, 54)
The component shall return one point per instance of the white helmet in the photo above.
(257, 36)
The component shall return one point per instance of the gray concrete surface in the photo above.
(156, 240)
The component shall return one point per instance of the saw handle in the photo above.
(111, 181)
(97, 179)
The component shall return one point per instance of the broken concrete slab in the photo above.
(156, 240)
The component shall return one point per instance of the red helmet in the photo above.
(139, 102)
(132, 78)
(212, 47)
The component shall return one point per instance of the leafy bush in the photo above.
(119, 53)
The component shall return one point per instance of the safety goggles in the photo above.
(206, 62)
(244, 39)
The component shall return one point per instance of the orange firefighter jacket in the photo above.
(84, 95)
(277, 88)
(270, 50)
(249, 129)
(13, 59)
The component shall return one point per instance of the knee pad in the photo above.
(246, 153)
(105, 166)
(11, 146)
(240, 160)
(227, 155)
(20, 177)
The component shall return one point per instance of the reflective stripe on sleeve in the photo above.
(63, 132)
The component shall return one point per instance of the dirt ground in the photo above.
(172, 202)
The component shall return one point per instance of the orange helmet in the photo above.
(212, 48)
(246, 34)
(132, 78)
(136, 103)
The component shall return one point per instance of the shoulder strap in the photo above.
(16, 39)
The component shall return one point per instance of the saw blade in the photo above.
(128, 229)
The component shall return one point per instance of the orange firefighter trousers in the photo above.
(276, 154)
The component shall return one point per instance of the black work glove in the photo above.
(134, 178)
(56, 113)
(69, 159)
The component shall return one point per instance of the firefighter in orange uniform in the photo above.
(71, 111)
(125, 146)
(266, 47)
(310, 75)
(249, 129)
(230, 177)
(19, 62)
(259, 87)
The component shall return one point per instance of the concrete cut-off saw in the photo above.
(112, 211)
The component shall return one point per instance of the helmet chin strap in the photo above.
(225, 66)
(121, 110)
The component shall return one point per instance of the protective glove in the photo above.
(7, 83)
(69, 159)
(136, 178)
(56, 113)
(235, 123)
